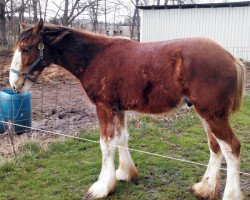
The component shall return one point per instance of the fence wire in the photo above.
(122, 147)
(54, 106)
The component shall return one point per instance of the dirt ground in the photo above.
(58, 104)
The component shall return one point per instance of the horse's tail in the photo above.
(240, 85)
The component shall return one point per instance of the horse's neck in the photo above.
(77, 52)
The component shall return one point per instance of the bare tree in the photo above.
(3, 39)
(9, 27)
(105, 14)
(72, 9)
(39, 8)
(134, 18)
(21, 11)
(45, 10)
(94, 12)
(34, 7)
(109, 7)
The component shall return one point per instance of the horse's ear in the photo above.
(40, 24)
(38, 27)
(22, 26)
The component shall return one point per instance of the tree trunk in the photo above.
(133, 25)
(21, 14)
(65, 20)
(34, 6)
(11, 24)
(3, 39)
(138, 26)
(96, 16)
(105, 15)
(40, 8)
(45, 10)
(134, 19)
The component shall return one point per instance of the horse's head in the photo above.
(29, 59)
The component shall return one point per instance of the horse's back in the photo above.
(155, 77)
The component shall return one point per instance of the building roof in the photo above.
(205, 5)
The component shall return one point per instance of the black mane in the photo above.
(53, 34)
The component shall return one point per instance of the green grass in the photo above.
(67, 169)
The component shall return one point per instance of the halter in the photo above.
(26, 74)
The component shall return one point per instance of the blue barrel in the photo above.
(15, 108)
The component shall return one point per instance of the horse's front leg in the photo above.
(127, 169)
(108, 139)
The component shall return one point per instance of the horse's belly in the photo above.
(158, 104)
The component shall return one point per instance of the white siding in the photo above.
(230, 27)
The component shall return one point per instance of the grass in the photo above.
(67, 169)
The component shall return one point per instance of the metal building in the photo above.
(226, 23)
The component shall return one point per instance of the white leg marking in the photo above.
(15, 64)
(212, 174)
(210, 183)
(126, 170)
(106, 181)
(209, 187)
(232, 189)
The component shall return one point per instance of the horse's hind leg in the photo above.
(230, 148)
(209, 187)
(126, 170)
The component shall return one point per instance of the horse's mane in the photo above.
(52, 34)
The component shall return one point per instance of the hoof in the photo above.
(99, 190)
(206, 191)
(126, 173)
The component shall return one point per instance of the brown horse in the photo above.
(119, 74)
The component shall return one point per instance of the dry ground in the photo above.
(58, 104)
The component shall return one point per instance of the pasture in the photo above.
(66, 169)
(89, 80)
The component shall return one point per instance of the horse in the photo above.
(119, 74)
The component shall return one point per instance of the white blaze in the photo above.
(15, 64)
(13, 77)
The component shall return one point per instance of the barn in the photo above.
(226, 23)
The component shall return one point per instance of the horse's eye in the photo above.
(26, 50)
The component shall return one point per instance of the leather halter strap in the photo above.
(26, 74)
